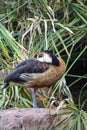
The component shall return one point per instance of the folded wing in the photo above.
(26, 70)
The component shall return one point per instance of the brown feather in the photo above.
(49, 76)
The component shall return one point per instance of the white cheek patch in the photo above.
(40, 59)
(47, 59)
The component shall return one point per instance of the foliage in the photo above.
(27, 27)
(73, 119)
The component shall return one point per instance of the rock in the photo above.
(35, 119)
(26, 119)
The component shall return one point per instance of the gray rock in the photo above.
(25, 119)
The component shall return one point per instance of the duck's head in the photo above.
(47, 56)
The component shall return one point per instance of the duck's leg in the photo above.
(34, 99)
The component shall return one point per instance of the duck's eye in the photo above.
(40, 55)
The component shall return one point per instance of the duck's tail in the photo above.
(4, 86)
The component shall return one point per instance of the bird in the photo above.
(44, 70)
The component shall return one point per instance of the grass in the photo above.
(28, 27)
(73, 119)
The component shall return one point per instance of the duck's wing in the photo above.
(25, 62)
(26, 70)
(30, 76)
(21, 64)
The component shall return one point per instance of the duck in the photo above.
(44, 70)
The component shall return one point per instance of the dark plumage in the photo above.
(42, 71)
(27, 66)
